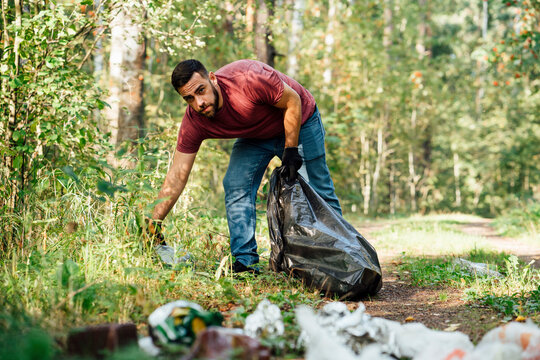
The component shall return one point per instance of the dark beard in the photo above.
(216, 102)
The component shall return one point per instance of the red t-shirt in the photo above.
(249, 89)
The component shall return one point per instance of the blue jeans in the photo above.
(249, 159)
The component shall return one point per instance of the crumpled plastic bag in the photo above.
(322, 344)
(526, 336)
(313, 242)
(169, 256)
(358, 332)
(265, 322)
(358, 336)
(480, 269)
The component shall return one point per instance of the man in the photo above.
(270, 114)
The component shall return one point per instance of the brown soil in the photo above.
(438, 308)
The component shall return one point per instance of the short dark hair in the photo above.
(185, 70)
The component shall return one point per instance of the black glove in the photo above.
(291, 161)
(153, 230)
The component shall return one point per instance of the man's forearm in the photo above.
(174, 184)
(292, 123)
(163, 208)
(292, 111)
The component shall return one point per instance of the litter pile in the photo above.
(331, 333)
(337, 333)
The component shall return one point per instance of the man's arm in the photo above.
(291, 103)
(174, 183)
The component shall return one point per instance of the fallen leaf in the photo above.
(452, 327)
(521, 318)
(409, 319)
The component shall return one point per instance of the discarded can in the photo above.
(95, 341)
(224, 343)
(180, 322)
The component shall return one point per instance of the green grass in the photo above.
(428, 246)
(104, 272)
(519, 221)
(427, 235)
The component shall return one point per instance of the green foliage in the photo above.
(428, 272)
(22, 339)
(520, 220)
(519, 303)
(47, 105)
(514, 294)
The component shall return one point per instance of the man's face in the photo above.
(201, 95)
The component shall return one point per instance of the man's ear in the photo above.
(212, 78)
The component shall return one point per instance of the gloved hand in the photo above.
(153, 230)
(291, 161)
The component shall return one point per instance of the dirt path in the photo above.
(525, 252)
(439, 308)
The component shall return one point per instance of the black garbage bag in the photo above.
(310, 240)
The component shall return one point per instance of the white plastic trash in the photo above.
(169, 256)
(480, 269)
(413, 339)
(265, 322)
(526, 336)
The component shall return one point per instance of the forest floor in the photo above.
(443, 307)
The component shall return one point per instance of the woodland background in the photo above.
(429, 106)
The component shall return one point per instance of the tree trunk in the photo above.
(457, 180)
(365, 171)
(392, 189)
(297, 26)
(378, 165)
(388, 26)
(250, 23)
(423, 52)
(126, 66)
(412, 179)
(16, 185)
(387, 43)
(11, 200)
(264, 50)
(98, 52)
(329, 42)
(422, 30)
(480, 64)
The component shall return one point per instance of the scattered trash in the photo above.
(224, 343)
(171, 257)
(322, 344)
(332, 333)
(526, 336)
(313, 242)
(477, 268)
(380, 338)
(337, 333)
(180, 322)
(265, 322)
(146, 344)
(95, 341)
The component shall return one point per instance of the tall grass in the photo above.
(80, 257)
(517, 221)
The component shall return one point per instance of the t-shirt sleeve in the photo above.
(189, 136)
(263, 84)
